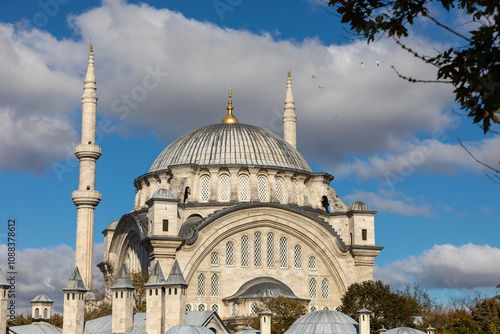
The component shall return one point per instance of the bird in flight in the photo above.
(314, 77)
(378, 63)
(362, 65)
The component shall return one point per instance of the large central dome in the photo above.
(231, 144)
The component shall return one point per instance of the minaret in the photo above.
(289, 116)
(86, 197)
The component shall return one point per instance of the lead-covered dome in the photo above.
(231, 144)
(324, 322)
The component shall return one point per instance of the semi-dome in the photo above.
(263, 287)
(324, 322)
(231, 144)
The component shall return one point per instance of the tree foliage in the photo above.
(20, 320)
(472, 66)
(285, 311)
(388, 309)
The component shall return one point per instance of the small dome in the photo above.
(187, 329)
(41, 299)
(112, 225)
(324, 322)
(263, 287)
(163, 194)
(249, 330)
(404, 330)
(358, 206)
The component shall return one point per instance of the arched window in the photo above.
(243, 191)
(189, 307)
(253, 308)
(229, 253)
(283, 252)
(258, 249)
(201, 307)
(224, 188)
(245, 251)
(201, 285)
(326, 308)
(312, 263)
(37, 313)
(45, 313)
(325, 289)
(280, 192)
(263, 189)
(297, 256)
(215, 308)
(295, 192)
(233, 309)
(214, 259)
(270, 250)
(214, 285)
(314, 308)
(204, 188)
(312, 288)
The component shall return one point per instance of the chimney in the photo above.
(430, 330)
(123, 307)
(4, 287)
(364, 321)
(265, 322)
(74, 304)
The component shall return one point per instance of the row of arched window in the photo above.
(258, 241)
(224, 189)
(202, 307)
(313, 288)
(252, 308)
(45, 313)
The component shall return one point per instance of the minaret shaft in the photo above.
(86, 198)
(289, 116)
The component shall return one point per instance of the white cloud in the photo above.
(467, 266)
(44, 271)
(376, 110)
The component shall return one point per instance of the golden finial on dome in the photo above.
(229, 117)
(289, 73)
(91, 46)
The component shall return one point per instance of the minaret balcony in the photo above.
(86, 197)
(88, 151)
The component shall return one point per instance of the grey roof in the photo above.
(3, 280)
(198, 318)
(41, 299)
(175, 277)
(404, 330)
(359, 206)
(156, 278)
(75, 282)
(188, 329)
(231, 144)
(122, 281)
(248, 330)
(324, 322)
(38, 328)
(163, 194)
(263, 287)
(112, 225)
(364, 311)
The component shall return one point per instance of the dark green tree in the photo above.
(471, 65)
(285, 311)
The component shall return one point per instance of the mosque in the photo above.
(234, 214)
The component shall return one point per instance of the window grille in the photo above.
(295, 192)
(279, 190)
(312, 263)
(201, 307)
(312, 288)
(205, 188)
(244, 188)
(214, 285)
(297, 256)
(253, 308)
(233, 309)
(325, 289)
(215, 308)
(214, 259)
(270, 250)
(258, 249)
(283, 253)
(262, 189)
(313, 309)
(224, 188)
(189, 307)
(201, 285)
(230, 253)
(245, 250)
(326, 308)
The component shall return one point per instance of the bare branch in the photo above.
(489, 177)
(418, 80)
(447, 28)
(478, 161)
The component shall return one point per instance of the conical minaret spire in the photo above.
(86, 198)
(289, 115)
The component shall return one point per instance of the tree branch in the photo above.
(447, 28)
(477, 160)
(418, 80)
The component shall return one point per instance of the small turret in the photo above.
(123, 307)
(289, 115)
(155, 301)
(175, 301)
(40, 308)
(74, 304)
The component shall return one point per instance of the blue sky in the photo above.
(392, 144)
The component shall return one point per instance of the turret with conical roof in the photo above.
(175, 301)
(155, 301)
(74, 304)
(4, 288)
(289, 115)
(123, 307)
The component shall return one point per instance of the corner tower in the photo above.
(289, 115)
(86, 198)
